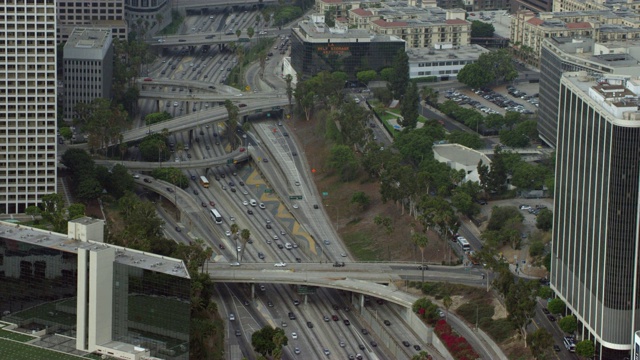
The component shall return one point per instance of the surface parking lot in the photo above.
(521, 98)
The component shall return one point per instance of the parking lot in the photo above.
(522, 97)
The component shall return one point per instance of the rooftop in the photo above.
(446, 53)
(461, 154)
(610, 55)
(319, 32)
(62, 242)
(89, 38)
(616, 95)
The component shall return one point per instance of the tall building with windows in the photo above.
(596, 232)
(561, 54)
(91, 13)
(28, 103)
(88, 67)
(77, 293)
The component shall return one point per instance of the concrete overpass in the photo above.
(200, 118)
(186, 96)
(212, 38)
(233, 157)
(189, 84)
(206, 6)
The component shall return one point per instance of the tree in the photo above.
(464, 203)
(556, 306)
(400, 78)
(467, 139)
(120, 181)
(568, 324)
(386, 222)
(426, 310)
(34, 212)
(494, 66)
(288, 78)
(421, 242)
(409, 107)
(232, 121)
(156, 117)
(250, 32)
(474, 75)
(154, 148)
(586, 349)
(481, 29)
(76, 211)
(540, 341)
(514, 138)
(171, 175)
(238, 32)
(422, 355)
(262, 58)
(264, 340)
(361, 199)
(544, 220)
(500, 216)
(494, 121)
(529, 176)
(447, 302)
(66, 133)
(344, 161)
(521, 305)
(366, 75)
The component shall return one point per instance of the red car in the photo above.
(212, 203)
(242, 105)
(221, 247)
(334, 317)
(242, 149)
(148, 79)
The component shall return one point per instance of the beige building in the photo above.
(528, 30)
(588, 5)
(91, 13)
(339, 8)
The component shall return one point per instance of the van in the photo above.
(253, 202)
(569, 344)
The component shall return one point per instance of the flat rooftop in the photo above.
(89, 38)
(585, 48)
(62, 242)
(459, 52)
(615, 94)
(461, 154)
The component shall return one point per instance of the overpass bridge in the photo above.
(207, 6)
(231, 158)
(212, 38)
(145, 82)
(205, 117)
(181, 96)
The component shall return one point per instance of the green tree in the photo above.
(426, 310)
(494, 121)
(156, 117)
(529, 176)
(76, 211)
(474, 75)
(556, 306)
(514, 138)
(250, 32)
(344, 161)
(366, 75)
(568, 324)
(540, 341)
(66, 133)
(288, 78)
(171, 175)
(120, 181)
(481, 29)
(264, 340)
(34, 212)
(422, 355)
(387, 74)
(421, 241)
(409, 107)
(545, 292)
(386, 222)
(361, 199)
(544, 220)
(464, 203)
(447, 302)
(500, 216)
(400, 79)
(383, 94)
(88, 189)
(232, 121)
(521, 304)
(494, 66)
(586, 349)
(467, 139)
(238, 33)
(154, 148)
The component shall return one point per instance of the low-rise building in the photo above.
(443, 62)
(460, 157)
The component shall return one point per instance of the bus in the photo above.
(464, 244)
(204, 181)
(569, 344)
(216, 216)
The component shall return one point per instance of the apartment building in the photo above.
(574, 54)
(339, 8)
(528, 29)
(596, 237)
(28, 104)
(91, 13)
(532, 5)
(589, 5)
(88, 67)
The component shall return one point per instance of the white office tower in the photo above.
(27, 102)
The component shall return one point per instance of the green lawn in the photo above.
(361, 246)
(4, 334)
(18, 351)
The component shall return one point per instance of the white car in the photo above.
(280, 264)
(262, 206)
(275, 237)
(295, 206)
(228, 232)
(294, 335)
(297, 183)
(245, 203)
(175, 103)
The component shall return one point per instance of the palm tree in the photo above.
(238, 32)
(289, 79)
(421, 241)
(234, 233)
(245, 234)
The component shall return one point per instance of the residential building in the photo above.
(596, 237)
(443, 62)
(28, 104)
(561, 54)
(88, 67)
(532, 5)
(588, 5)
(339, 8)
(150, 16)
(91, 13)
(315, 48)
(97, 297)
(528, 29)
(460, 157)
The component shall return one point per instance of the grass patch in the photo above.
(18, 351)
(176, 22)
(361, 246)
(482, 312)
(4, 334)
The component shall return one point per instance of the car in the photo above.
(241, 183)
(546, 311)
(241, 149)
(298, 260)
(373, 343)
(326, 352)
(195, 192)
(238, 333)
(365, 331)
(417, 347)
(295, 206)
(379, 301)
(441, 313)
(361, 346)
(265, 160)
(147, 180)
(334, 317)
(347, 322)
(406, 343)
(296, 350)
(297, 183)
(232, 189)
(261, 206)
(250, 212)
(309, 325)
(235, 263)
(387, 322)
(296, 302)
(343, 254)
(232, 317)
(326, 318)
(212, 203)
(178, 229)
(556, 348)
(204, 204)
(268, 226)
(358, 356)
(294, 335)
(245, 203)
(292, 316)
(294, 153)
(269, 303)
(243, 105)
(423, 267)
(283, 324)
(326, 242)
(261, 255)
(280, 264)
(342, 344)
(169, 189)
(551, 318)
(280, 246)
(338, 264)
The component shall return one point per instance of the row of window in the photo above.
(445, 63)
(440, 72)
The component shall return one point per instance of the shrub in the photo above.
(457, 345)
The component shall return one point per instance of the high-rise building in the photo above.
(28, 103)
(596, 237)
(91, 13)
(560, 54)
(99, 298)
(88, 67)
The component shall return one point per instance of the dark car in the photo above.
(221, 246)
(309, 325)
(249, 212)
(261, 255)
(373, 343)
(233, 189)
(361, 346)
(241, 183)
(347, 322)
(292, 316)
(365, 332)
(334, 317)
(406, 343)
(178, 229)
(546, 311)
(298, 260)
(195, 192)
(417, 347)
(169, 189)
(551, 318)
(212, 203)
(556, 348)
(335, 307)
(204, 204)
(296, 302)
(193, 177)
(268, 226)
(238, 333)
(423, 267)
(147, 180)
(387, 322)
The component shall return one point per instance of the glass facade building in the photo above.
(112, 300)
(594, 266)
(315, 49)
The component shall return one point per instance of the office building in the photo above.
(532, 5)
(561, 54)
(91, 13)
(587, 5)
(442, 62)
(316, 48)
(28, 104)
(88, 67)
(529, 30)
(92, 297)
(154, 14)
(596, 239)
